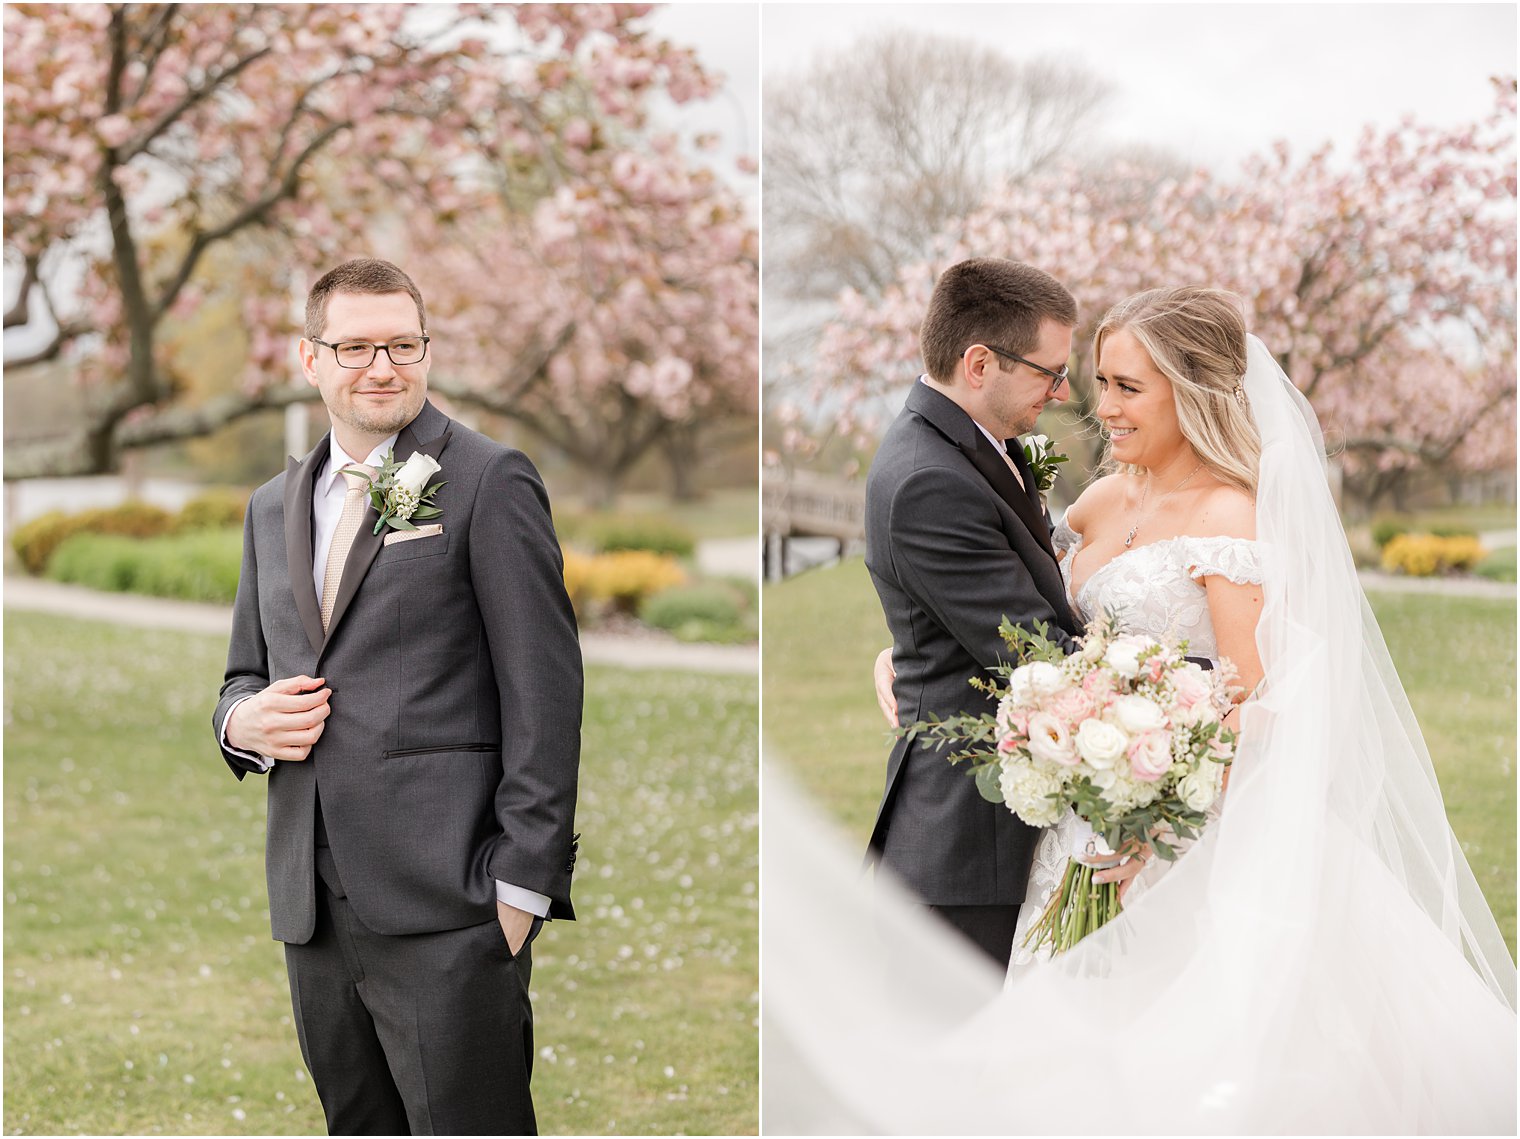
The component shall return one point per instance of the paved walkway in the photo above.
(197, 617)
(1452, 586)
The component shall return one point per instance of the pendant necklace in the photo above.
(1145, 492)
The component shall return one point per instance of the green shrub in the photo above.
(651, 532)
(1385, 530)
(199, 566)
(36, 541)
(705, 601)
(1498, 566)
(706, 611)
(214, 509)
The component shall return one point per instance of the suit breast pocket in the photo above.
(429, 547)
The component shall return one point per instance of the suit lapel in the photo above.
(985, 458)
(951, 420)
(300, 476)
(427, 433)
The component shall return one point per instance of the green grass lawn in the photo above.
(824, 628)
(143, 994)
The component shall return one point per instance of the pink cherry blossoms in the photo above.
(1384, 281)
(579, 265)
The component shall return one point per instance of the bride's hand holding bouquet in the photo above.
(1126, 734)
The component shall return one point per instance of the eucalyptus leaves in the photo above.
(400, 491)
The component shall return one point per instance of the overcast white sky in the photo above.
(726, 38)
(1213, 82)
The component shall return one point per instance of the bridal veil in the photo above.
(1321, 961)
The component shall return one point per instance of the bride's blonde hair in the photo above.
(1196, 337)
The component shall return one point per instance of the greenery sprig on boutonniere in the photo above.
(1042, 461)
(400, 491)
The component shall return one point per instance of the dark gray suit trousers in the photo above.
(412, 1034)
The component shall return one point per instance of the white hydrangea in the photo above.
(1026, 790)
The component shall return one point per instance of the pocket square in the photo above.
(421, 532)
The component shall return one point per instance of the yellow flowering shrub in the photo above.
(577, 579)
(624, 578)
(1424, 555)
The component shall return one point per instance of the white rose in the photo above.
(1027, 790)
(413, 476)
(1050, 741)
(1199, 789)
(1045, 679)
(1040, 444)
(1137, 714)
(1100, 744)
(1020, 687)
(1123, 656)
(1202, 713)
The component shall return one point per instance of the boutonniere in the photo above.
(1042, 461)
(400, 491)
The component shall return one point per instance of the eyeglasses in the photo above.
(1056, 378)
(361, 353)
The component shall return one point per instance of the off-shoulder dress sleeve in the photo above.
(1235, 559)
(1063, 537)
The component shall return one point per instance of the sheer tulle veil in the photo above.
(1322, 960)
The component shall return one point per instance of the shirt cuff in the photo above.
(264, 761)
(535, 903)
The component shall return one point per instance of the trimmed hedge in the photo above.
(199, 566)
(36, 541)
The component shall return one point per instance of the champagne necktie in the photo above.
(343, 537)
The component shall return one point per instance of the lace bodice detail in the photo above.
(1156, 588)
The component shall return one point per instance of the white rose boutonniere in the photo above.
(401, 492)
(1042, 461)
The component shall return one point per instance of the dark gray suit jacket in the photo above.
(451, 753)
(953, 545)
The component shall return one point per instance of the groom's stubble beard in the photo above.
(1009, 408)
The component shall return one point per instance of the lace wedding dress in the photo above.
(1155, 590)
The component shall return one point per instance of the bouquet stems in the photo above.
(1077, 908)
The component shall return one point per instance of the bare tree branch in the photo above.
(254, 212)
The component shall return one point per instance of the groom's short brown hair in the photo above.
(366, 275)
(992, 301)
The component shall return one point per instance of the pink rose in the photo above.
(1190, 686)
(1071, 707)
(1156, 667)
(1098, 686)
(1150, 756)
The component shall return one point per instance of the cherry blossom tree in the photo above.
(1385, 284)
(501, 143)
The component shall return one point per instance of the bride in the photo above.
(1320, 960)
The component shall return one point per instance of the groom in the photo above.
(955, 541)
(414, 698)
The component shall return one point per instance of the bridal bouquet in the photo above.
(1125, 733)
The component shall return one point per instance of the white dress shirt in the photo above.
(329, 489)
